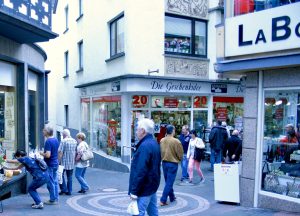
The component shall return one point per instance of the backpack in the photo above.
(41, 163)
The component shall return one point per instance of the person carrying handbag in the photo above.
(81, 165)
(195, 142)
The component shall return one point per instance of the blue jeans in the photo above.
(79, 174)
(149, 204)
(184, 167)
(170, 171)
(215, 157)
(35, 184)
(52, 184)
(67, 187)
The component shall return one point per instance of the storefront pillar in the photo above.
(126, 128)
(22, 108)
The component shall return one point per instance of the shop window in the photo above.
(280, 151)
(85, 118)
(249, 6)
(229, 110)
(7, 121)
(170, 101)
(33, 110)
(185, 36)
(107, 124)
(200, 122)
(117, 36)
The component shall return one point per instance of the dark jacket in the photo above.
(185, 140)
(217, 138)
(145, 168)
(234, 147)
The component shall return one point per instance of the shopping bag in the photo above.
(60, 171)
(133, 208)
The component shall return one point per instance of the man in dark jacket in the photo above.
(233, 147)
(145, 169)
(217, 138)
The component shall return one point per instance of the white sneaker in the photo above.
(39, 206)
(202, 180)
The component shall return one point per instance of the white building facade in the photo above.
(117, 61)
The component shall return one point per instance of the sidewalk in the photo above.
(108, 197)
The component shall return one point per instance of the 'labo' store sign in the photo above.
(268, 30)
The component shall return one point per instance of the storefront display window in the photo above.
(200, 121)
(163, 118)
(7, 121)
(280, 151)
(229, 110)
(107, 124)
(32, 111)
(170, 102)
(136, 115)
(85, 118)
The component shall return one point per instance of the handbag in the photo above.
(60, 171)
(198, 154)
(87, 154)
(133, 208)
(270, 182)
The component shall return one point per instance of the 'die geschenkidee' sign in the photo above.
(264, 31)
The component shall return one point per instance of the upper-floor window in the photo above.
(80, 8)
(66, 18)
(80, 55)
(185, 36)
(66, 64)
(249, 6)
(117, 35)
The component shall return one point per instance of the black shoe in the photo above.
(62, 193)
(68, 194)
(81, 191)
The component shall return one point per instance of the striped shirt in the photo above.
(68, 148)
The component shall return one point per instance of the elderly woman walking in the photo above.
(81, 165)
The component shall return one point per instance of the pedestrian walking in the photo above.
(145, 169)
(66, 154)
(81, 165)
(184, 139)
(217, 138)
(51, 158)
(233, 148)
(40, 177)
(171, 154)
(195, 142)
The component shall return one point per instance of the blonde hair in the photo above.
(81, 136)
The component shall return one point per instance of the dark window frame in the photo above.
(80, 8)
(66, 57)
(193, 36)
(111, 22)
(66, 18)
(80, 55)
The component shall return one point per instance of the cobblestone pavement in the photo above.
(108, 197)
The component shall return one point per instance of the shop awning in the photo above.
(262, 63)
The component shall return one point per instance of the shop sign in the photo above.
(218, 88)
(200, 102)
(222, 113)
(172, 86)
(170, 102)
(139, 101)
(115, 86)
(268, 30)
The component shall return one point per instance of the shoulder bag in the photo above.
(87, 154)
